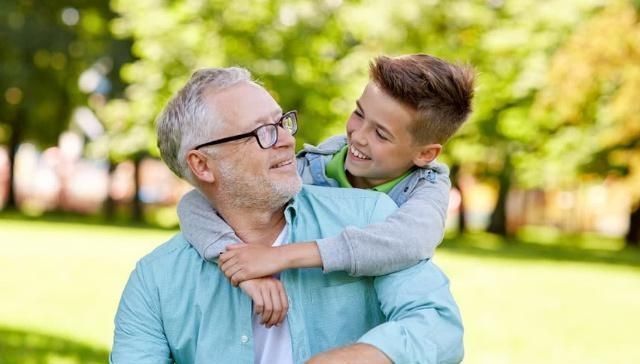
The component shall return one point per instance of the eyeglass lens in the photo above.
(268, 134)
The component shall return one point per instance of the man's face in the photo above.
(248, 175)
(380, 145)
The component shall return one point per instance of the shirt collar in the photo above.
(336, 169)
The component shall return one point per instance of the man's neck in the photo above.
(255, 226)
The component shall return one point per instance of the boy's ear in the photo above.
(200, 166)
(425, 154)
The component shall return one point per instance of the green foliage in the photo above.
(298, 49)
(313, 56)
(45, 48)
(593, 86)
(511, 55)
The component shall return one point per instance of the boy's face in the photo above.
(380, 145)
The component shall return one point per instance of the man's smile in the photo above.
(282, 163)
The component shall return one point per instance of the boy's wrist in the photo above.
(300, 255)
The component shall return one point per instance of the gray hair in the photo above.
(181, 124)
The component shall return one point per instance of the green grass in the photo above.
(65, 279)
(521, 303)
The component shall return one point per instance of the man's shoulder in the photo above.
(174, 249)
(312, 192)
(346, 202)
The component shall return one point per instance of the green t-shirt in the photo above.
(336, 170)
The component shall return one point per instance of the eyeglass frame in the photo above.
(254, 132)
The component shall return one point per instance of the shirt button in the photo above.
(244, 339)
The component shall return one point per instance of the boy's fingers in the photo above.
(238, 277)
(225, 257)
(231, 271)
(228, 264)
(236, 246)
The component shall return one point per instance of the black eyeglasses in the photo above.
(266, 135)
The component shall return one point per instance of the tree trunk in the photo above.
(137, 208)
(633, 235)
(498, 222)
(14, 143)
(110, 203)
(455, 181)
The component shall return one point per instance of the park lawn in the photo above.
(64, 280)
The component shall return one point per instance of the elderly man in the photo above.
(229, 138)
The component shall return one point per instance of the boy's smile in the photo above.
(380, 145)
(356, 154)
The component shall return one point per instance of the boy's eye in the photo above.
(357, 113)
(380, 135)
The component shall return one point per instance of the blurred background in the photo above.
(544, 219)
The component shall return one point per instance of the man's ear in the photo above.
(200, 166)
(425, 154)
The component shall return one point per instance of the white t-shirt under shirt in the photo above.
(272, 345)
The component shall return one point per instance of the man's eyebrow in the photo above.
(274, 115)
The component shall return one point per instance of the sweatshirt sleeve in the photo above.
(203, 228)
(410, 234)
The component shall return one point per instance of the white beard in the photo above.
(255, 192)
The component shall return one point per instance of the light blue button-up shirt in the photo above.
(179, 308)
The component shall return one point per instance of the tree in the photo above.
(593, 89)
(46, 48)
(314, 56)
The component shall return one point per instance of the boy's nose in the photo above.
(358, 136)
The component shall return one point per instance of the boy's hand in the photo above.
(269, 299)
(248, 261)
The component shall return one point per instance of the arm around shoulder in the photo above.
(202, 227)
(397, 241)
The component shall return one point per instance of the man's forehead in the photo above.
(245, 102)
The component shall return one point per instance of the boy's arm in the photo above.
(422, 321)
(408, 235)
(203, 228)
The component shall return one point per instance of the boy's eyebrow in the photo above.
(359, 107)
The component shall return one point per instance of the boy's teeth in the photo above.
(357, 153)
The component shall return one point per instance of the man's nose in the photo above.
(285, 139)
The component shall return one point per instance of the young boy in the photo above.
(410, 107)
